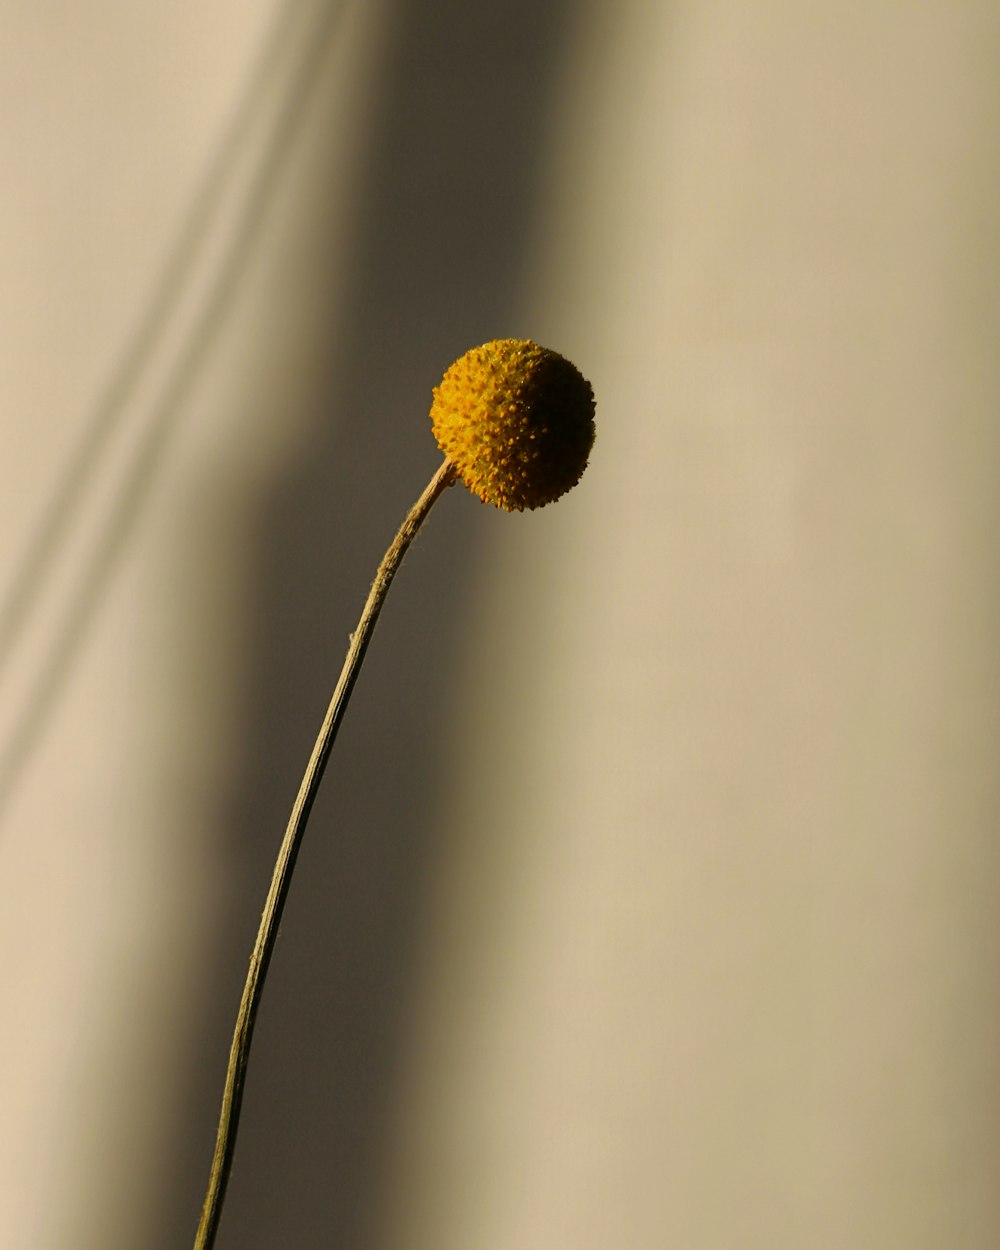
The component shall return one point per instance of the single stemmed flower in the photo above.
(515, 422)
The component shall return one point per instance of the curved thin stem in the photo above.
(260, 956)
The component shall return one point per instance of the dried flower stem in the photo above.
(263, 947)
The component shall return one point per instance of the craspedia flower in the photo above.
(517, 422)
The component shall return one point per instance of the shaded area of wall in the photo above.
(446, 200)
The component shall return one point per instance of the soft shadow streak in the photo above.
(455, 157)
(295, 49)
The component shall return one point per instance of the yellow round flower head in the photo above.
(517, 422)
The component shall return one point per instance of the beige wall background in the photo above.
(650, 900)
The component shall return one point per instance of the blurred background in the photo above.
(650, 899)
